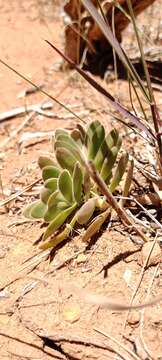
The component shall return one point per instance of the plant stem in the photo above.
(111, 200)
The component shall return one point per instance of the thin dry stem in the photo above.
(112, 201)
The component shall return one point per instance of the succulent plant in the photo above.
(69, 195)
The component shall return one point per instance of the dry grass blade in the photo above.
(114, 43)
(15, 196)
(41, 90)
(118, 107)
(118, 343)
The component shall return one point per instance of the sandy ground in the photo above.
(38, 297)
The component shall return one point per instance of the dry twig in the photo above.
(24, 110)
(112, 201)
(15, 196)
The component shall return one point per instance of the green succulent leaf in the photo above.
(58, 221)
(108, 163)
(128, 182)
(67, 139)
(51, 213)
(51, 184)
(113, 139)
(92, 127)
(59, 132)
(86, 211)
(103, 152)
(95, 225)
(57, 239)
(55, 198)
(82, 131)
(28, 209)
(95, 142)
(86, 184)
(44, 195)
(120, 170)
(50, 172)
(44, 161)
(38, 209)
(77, 137)
(65, 186)
(65, 159)
(75, 152)
(77, 183)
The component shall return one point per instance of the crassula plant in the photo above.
(69, 196)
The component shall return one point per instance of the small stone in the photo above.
(155, 257)
(71, 312)
(134, 318)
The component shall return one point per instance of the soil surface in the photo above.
(39, 298)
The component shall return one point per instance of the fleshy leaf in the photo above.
(44, 195)
(51, 213)
(77, 183)
(65, 185)
(95, 226)
(55, 198)
(103, 152)
(95, 142)
(75, 152)
(65, 159)
(120, 170)
(108, 163)
(28, 209)
(59, 132)
(57, 239)
(44, 161)
(86, 184)
(51, 184)
(50, 172)
(82, 131)
(77, 137)
(112, 138)
(92, 127)
(58, 221)
(38, 210)
(86, 211)
(128, 182)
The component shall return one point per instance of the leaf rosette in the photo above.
(68, 195)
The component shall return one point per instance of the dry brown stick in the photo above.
(15, 196)
(23, 110)
(14, 279)
(36, 261)
(18, 129)
(112, 201)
